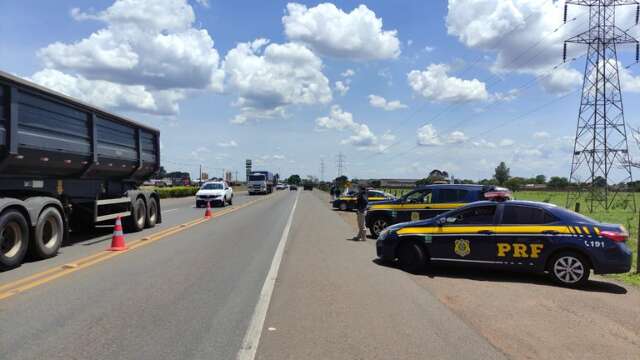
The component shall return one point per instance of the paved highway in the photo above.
(209, 290)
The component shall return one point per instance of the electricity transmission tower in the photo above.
(321, 169)
(340, 164)
(601, 165)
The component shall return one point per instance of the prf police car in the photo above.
(426, 202)
(348, 201)
(530, 236)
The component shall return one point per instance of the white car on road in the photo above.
(214, 192)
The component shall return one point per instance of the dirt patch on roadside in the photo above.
(528, 317)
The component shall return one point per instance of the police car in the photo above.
(426, 202)
(348, 201)
(518, 235)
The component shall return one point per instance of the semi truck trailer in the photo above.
(66, 165)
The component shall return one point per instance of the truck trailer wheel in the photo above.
(152, 213)
(14, 239)
(137, 220)
(48, 235)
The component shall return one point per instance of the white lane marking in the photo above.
(252, 337)
(170, 210)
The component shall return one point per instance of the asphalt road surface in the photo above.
(276, 278)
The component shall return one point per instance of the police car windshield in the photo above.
(212, 186)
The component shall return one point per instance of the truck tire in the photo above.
(152, 213)
(14, 239)
(137, 220)
(48, 234)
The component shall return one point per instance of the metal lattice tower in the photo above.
(340, 164)
(321, 169)
(601, 165)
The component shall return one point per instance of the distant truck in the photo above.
(67, 165)
(261, 182)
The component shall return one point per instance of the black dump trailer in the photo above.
(67, 165)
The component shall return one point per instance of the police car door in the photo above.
(467, 236)
(415, 206)
(522, 234)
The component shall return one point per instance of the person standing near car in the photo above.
(361, 207)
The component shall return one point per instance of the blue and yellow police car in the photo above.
(426, 202)
(518, 235)
(348, 201)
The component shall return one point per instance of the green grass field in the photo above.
(625, 217)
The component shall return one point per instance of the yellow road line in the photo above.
(21, 285)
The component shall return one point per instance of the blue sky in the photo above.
(455, 85)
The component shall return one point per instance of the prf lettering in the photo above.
(520, 250)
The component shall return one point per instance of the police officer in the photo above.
(361, 207)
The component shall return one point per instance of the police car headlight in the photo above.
(383, 234)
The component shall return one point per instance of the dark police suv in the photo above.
(426, 202)
(530, 236)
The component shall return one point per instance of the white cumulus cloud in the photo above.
(269, 77)
(427, 135)
(382, 103)
(230, 143)
(328, 30)
(435, 84)
(362, 137)
(152, 44)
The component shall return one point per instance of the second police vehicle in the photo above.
(349, 200)
(426, 202)
(519, 235)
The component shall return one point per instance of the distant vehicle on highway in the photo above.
(519, 235)
(216, 193)
(307, 185)
(426, 202)
(293, 187)
(260, 182)
(281, 187)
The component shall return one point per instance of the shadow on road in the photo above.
(478, 274)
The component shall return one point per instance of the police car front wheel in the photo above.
(377, 226)
(569, 269)
(412, 257)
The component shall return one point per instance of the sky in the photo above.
(398, 87)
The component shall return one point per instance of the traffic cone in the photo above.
(207, 213)
(117, 241)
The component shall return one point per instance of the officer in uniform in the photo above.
(361, 207)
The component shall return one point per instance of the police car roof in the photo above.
(517, 202)
(456, 186)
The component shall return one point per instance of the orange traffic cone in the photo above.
(207, 213)
(117, 241)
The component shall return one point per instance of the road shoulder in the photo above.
(332, 302)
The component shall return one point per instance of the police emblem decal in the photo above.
(462, 247)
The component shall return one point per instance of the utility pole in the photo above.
(200, 173)
(600, 152)
(321, 170)
(340, 164)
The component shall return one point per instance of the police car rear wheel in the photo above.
(570, 269)
(411, 257)
(343, 206)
